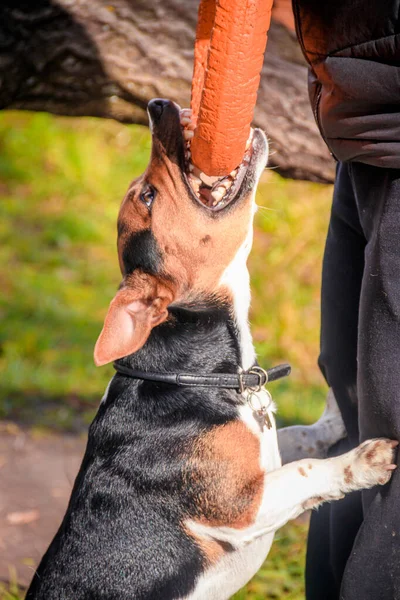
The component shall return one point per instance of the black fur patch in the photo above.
(123, 536)
(141, 251)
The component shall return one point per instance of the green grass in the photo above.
(61, 183)
(10, 591)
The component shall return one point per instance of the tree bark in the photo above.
(108, 59)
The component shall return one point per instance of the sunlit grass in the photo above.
(11, 590)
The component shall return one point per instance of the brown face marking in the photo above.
(175, 221)
(310, 466)
(302, 472)
(225, 477)
(348, 474)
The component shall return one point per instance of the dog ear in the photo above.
(132, 315)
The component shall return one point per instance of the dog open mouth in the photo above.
(215, 193)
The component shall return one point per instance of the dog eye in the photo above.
(148, 195)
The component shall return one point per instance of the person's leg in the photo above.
(373, 570)
(334, 527)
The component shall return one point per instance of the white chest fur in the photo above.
(236, 568)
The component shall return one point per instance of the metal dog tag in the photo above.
(255, 401)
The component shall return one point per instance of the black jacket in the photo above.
(353, 49)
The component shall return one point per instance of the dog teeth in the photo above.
(218, 194)
(187, 134)
(191, 126)
(186, 112)
(248, 143)
(210, 190)
(226, 183)
(186, 119)
(194, 180)
(207, 179)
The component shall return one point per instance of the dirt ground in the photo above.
(36, 476)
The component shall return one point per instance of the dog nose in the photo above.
(156, 108)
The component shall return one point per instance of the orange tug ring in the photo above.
(229, 50)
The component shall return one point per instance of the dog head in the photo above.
(177, 236)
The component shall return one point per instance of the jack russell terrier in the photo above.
(182, 487)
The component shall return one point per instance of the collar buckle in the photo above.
(242, 387)
(262, 378)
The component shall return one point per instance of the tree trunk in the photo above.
(77, 57)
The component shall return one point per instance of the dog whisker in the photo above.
(266, 208)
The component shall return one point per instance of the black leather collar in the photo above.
(253, 379)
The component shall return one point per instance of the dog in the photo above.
(182, 486)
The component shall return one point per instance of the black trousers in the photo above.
(354, 545)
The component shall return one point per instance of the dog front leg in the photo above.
(306, 484)
(312, 441)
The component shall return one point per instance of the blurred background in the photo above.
(61, 182)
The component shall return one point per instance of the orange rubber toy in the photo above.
(229, 51)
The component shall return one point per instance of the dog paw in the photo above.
(372, 465)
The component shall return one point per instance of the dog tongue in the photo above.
(206, 196)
